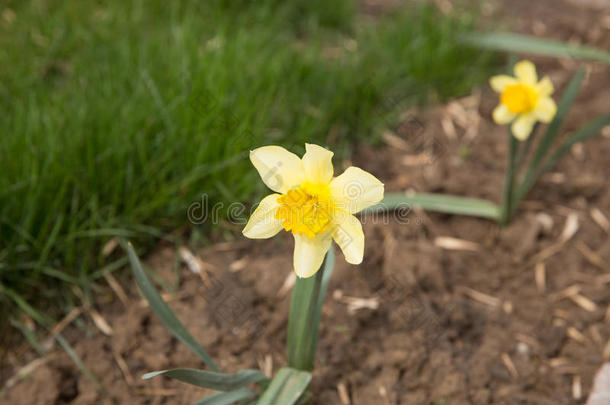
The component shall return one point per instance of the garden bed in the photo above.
(513, 316)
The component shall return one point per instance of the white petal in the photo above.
(523, 125)
(280, 170)
(355, 190)
(545, 109)
(318, 164)
(502, 115)
(262, 223)
(498, 83)
(545, 87)
(347, 232)
(309, 253)
(526, 72)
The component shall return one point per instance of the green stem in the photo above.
(507, 198)
(305, 310)
(524, 151)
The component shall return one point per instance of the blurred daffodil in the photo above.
(523, 99)
(312, 204)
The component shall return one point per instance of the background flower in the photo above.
(523, 99)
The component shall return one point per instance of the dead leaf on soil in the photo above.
(591, 256)
(354, 303)
(24, 371)
(508, 362)
(100, 322)
(570, 228)
(116, 287)
(110, 246)
(481, 297)
(449, 243)
(583, 302)
(566, 292)
(193, 262)
(540, 276)
(288, 284)
(395, 141)
(600, 219)
(576, 387)
(577, 335)
(343, 395)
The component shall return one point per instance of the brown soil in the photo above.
(439, 326)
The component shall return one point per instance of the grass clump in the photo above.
(117, 115)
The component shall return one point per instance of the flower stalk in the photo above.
(304, 317)
(509, 181)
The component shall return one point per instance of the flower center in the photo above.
(306, 209)
(519, 98)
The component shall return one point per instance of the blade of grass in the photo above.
(51, 240)
(286, 388)
(510, 42)
(211, 379)
(25, 307)
(77, 360)
(447, 204)
(155, 164)
(29, 335)
(227, 398)
(163, 311)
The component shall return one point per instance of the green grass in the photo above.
(117, 115)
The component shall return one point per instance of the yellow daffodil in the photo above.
(312, 204)
(523, 99)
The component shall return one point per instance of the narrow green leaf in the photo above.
(549, 136)
(227, 398)
(590, 130)
(29, 335)
(562, 111)
(79, 363)
(510, 42)
(304, 318)
(447, 204)
(211, 379)
(25, 307)
(286, 388)
(50, 242)
(161, 309)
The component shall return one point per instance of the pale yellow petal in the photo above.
(280, 170)
(502, 115)
(523, 125)
(309, 253)
(355, 190)
(545, 109)
(318, 164)
(545, 87)
(526, 72)
(347, 233)
(262, 223)
(498, 83)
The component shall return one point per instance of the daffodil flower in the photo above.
(312, 204)
(523, 99)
